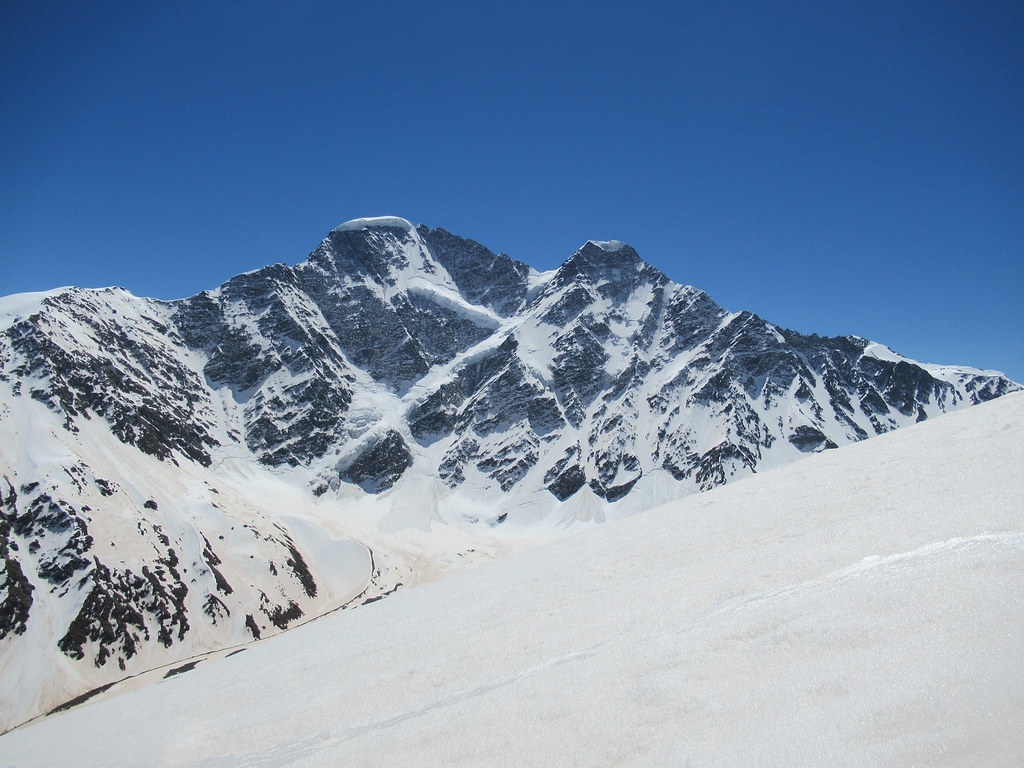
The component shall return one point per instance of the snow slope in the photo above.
(862, 607)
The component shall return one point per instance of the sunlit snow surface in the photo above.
(376, 221)
(863, 607)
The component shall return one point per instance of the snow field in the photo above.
(862, 607)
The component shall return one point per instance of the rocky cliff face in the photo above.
(187, 475)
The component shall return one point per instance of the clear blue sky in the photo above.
(853, 167)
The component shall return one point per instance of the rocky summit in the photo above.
(184, 477)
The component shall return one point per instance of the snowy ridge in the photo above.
(951, 373)
(20, 305)
(178, 477)
(860, 607)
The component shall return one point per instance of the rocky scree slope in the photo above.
(188, 475)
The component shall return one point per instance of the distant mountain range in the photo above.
(182, 476)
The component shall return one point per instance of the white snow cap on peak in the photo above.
(608, 246)
(881, 352)
(376, 221)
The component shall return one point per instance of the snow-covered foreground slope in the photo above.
(862, 607)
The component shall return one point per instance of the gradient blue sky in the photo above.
(853, 167)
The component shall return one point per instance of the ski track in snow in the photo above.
(864, 569)
(867, 568)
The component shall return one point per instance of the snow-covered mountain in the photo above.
(182, 476)
(863, 607)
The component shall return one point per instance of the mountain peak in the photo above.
(601, 255)
(608, 261)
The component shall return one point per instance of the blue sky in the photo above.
(837, 168)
